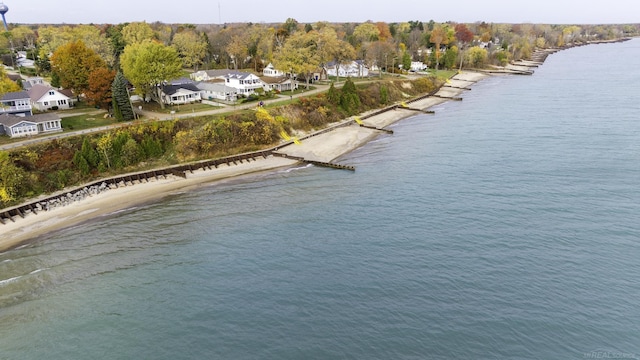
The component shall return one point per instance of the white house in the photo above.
(206, 75)
(271, 71)
(217, 91)
(47, 98)
(280, 83)
(19, 126)
(16, 103)
(356, 68)
(179, 94)
(245, 83)
(418, 66)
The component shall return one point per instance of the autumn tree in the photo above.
(238, 49)
(98, 92)
(72, 63)
(147, 65)
(440, 35)
(463, 34)
(329, 48)
(137, 32)
(50, 38)
(380, 54)
(13, 179)
(120, 99)
(164, 32)
(363, 35)
(476, 57)
(260, 45)
(7, 85)
(299, 55)
(383, 31)
(23, 37)
(191, 48)
(96, 40)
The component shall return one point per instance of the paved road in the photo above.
(154, 116)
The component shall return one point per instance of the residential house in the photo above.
(356, 68)
(16, 103)
(29, 82)
(418, 66)
(47, 98)
(20, 126)
(206, 75)
(271, 71)
(320, 75)
(280, 83)
(245, 83)
(217, 90)
(181, 91)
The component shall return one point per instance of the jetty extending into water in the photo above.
(449, 91)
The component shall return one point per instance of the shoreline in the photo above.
(324, 147)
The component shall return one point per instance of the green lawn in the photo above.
(86, 121)
(195, 107)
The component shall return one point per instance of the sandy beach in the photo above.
(324, 147)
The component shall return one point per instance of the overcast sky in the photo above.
(304, 11)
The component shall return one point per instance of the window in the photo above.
(46, 103)
(51, 92)
(62, 102)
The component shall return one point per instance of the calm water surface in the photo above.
(505, 226)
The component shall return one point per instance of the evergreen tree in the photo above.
(349, 100)
(333, 95)
(121, 105)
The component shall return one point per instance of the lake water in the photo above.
(505, 226)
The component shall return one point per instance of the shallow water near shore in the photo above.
(503, 226)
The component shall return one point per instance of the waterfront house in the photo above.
(280, 83)
(244, 83)
(16, 103)
(271, 71)
(47, 98)
(217, 90)
(356, 68)
(180, 91)
(20, 126)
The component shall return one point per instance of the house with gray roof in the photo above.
(47, 98)
(206, 75)
(180, 92)
(280, 83)
(16, 103)
(29, 82)
(20, 126)
(217, 91)
(245, 83)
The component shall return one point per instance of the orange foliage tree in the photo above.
(73, 62)
(98, 92)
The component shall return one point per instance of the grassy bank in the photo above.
(51, 166)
